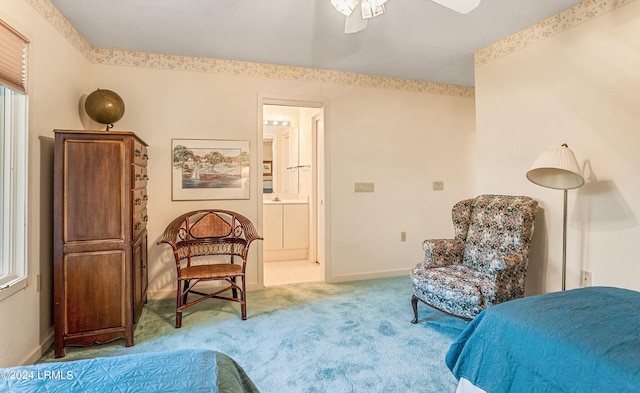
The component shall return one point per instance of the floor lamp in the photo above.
(557, 168)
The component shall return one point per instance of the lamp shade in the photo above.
(556, 168)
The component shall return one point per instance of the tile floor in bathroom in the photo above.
(291, 272)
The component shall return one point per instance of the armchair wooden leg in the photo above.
(414, 304)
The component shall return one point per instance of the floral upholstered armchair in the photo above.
(486, 262)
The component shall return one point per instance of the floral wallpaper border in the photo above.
(234, 67)
(558, 23)
(571, 17)
(272, 71)
(57, 20)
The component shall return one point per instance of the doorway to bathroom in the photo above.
(292, 192)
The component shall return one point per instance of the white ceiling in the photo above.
(413, 39)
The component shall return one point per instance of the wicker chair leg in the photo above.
(179, 302)
(185, 292)
(234, 291)
(243, 300)
(414, 304)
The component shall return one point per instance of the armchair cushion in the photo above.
(455, 289)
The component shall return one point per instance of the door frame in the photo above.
(321, 183)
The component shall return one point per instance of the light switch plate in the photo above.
(364, 187)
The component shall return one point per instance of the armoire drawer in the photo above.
(139, 222)
(140, 176)
(140, 154)
(140, 199)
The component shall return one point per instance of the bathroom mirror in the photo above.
(280, 160)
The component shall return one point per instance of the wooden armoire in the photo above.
(100, 237)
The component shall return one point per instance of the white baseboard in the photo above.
(368, 275)
(39, 351)
(171, 293)
(254, 286)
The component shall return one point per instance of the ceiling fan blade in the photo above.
(354, 22)
(461, 6)
(345, 7)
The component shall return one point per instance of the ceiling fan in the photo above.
(358, 21)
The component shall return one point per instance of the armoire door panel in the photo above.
(94, 195)
(94, 291)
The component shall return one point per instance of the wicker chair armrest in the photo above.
(170, 234)
(442, 252)
(250, 232)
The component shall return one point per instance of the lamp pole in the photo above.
(564, 243)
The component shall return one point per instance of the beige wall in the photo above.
(400, 140)
(578, 87)
(58, 76)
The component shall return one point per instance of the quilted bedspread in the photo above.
(176, 371)
(580, 340)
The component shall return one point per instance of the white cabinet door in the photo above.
(296, 226)
(272, 215)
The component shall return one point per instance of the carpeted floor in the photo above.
(349, 337)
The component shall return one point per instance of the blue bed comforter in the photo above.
(176, 371)
(581, 340)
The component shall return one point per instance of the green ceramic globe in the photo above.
(104, 106)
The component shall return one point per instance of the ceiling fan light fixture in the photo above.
(372, 8)
(345, 7)
(376, 3)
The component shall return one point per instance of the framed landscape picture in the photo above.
(205, 169)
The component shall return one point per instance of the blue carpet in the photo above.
(348, 337)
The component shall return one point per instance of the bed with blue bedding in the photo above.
(580, 340)
(174, 371)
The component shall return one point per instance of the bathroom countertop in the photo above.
(285, 202)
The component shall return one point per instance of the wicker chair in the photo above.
(201, 241)
(486, 262)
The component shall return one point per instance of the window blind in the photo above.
(13, 59)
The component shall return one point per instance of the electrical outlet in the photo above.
(585, 278)
(403, 236)
(438, 186)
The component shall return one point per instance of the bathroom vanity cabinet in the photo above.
(286, 230)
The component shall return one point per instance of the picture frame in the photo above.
(209, 169)
(267, 168)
